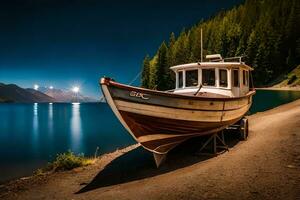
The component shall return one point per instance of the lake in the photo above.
(32, 134)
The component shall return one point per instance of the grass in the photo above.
(292, 79)
(66, 161)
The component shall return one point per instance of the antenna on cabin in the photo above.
(201, 47)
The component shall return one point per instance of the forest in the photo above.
(265, 32)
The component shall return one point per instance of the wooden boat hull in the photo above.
(159, 121)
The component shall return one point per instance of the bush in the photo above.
(292, 79)
(66, 161)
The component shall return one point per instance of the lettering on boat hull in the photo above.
(139, 95)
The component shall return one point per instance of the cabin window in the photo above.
(223, 78)
(247, 78)
(180, 79)
(208, 77)
(191, 78)
(235, 78)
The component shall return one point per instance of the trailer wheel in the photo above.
(243, 129)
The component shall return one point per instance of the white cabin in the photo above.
(218, 76)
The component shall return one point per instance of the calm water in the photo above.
(32, 134)
(268, 99)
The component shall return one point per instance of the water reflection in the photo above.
(35, 125)
(35, 109)
(76, 127)
(50, 119)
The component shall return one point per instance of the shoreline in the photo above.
(34, 180)
(280, 159)
(102, 156)
(280, 88)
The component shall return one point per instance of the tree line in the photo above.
(265, 32)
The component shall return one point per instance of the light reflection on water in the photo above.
(50, 121)
(76, 127)
(35, 126)
(50, 111)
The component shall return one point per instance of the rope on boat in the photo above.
(131, 82)
(134, 79)
(102, 98)
(200, 86)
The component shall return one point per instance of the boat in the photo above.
(209, 96)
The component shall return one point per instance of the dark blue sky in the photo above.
(75, 42)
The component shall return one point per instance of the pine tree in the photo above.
(153, 73)
(170, 76)
(181, 51)
(146, 72)
(298, 49)
(266, 32)
(171, 50)
(252, 47)
(162, 67)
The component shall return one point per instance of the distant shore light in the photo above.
(51, 87)
(75, 89)
(36, 87)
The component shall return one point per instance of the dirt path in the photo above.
(266, 166)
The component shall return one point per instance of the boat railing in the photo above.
(236, 58)
(230, 59)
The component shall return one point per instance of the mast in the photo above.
(201, 47)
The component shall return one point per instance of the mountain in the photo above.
(14, 93)
(265, 32)
(65, 95)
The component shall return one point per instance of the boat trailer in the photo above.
(216, 142)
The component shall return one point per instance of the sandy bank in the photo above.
(266, 166)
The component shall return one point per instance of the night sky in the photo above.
(65, 43)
